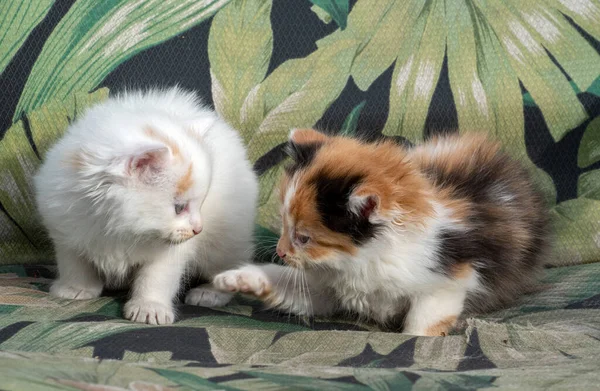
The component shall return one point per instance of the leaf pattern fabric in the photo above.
(528, 73)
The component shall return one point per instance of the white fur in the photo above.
(112, 220)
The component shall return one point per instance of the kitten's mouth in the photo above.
(176, 241)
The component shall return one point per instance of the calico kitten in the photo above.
(410, 238)
(143, 188)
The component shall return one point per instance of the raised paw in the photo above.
(151, 312)
(65, 291)
(206, 296)
(250, 280)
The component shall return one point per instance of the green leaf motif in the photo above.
(190, 381)
(268, 200)
(296, 95)
(94, 37)
(491, 47)
(266, 240)
(337, 9)
(22, 236)
(383, 380)
(588, 185)
(351, 122)
(595, 87)
(577, 229)
(307, 383)
(239, 49)
(589, 147)
(17, 19)
(542, 78)
(417, 71)
(321, 14)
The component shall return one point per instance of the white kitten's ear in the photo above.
(365, 205)
(148, 161)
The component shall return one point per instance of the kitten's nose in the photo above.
(281, 253)
(197, 230)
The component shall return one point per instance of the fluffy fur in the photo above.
(410, 238)
(143, 188)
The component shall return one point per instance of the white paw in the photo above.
(205, 296)
(246, 280)
(151, 312)
(65, 291)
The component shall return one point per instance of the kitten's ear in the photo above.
(303, 144)
(148, 161)
(307, 136)
(364, 204)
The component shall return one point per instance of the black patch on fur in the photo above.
(488, 243)
(302, 155)
(333, 194)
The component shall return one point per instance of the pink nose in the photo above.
(280, 253)
(197, 230)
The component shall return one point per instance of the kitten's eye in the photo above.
(303, 239)
(180, 208)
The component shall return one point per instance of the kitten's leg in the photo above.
(435, 313)
(153, 291)
(77, 278)
(279, 287)
(206, 295)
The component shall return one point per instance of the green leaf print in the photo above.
(268, 200)
(351, 123)
(588, 185)
(190, 381)
(239, 49)
(577, 229)
(589, 147)
(416, 72)
(490, 46)
(94, 37)
(542, 78)
(17, 19)
(307, 383)
(18, 163)
(296, 94)
(338, 9)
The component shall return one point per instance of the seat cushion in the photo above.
(547, 337)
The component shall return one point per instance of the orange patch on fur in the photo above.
(185, 182)
(152, 133)
(75, 160)
(442, 327)
(462, 270)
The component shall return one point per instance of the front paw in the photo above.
(150, 312)
(207, 296)
(66, 291)
(250, 280)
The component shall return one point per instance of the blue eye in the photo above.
(303, 239)
(180, 208)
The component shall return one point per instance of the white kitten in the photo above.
(141, 189)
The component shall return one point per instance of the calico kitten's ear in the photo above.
(148, 161)
(307, 136)
(364, 204)
(302, 146)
